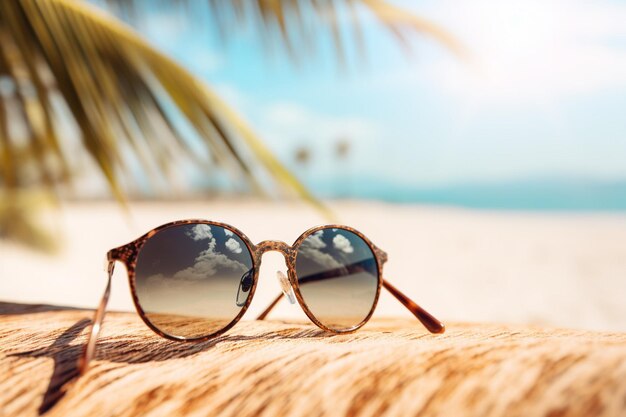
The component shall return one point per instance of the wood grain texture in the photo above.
(390, 367)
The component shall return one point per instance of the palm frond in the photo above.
(122, 94)
(66, 63)
(20, 220)
(303, 22)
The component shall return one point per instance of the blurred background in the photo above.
(481, 144)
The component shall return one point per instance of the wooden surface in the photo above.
(278, 369)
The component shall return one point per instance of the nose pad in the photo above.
(286, 286)
(244, 288)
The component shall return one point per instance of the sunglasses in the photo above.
(193, 280)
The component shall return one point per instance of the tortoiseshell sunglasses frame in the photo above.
(127, 255)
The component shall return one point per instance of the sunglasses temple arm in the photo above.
(428, 320)
(269, 308)
(90, 348)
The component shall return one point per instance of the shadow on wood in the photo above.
(277, 369)
(65, 359)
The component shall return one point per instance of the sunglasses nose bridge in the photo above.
(274, 246)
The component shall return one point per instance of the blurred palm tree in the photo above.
(303, 155)
(66, 65)
(342, 148)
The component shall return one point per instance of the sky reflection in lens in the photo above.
(188, 279)
(338, 277)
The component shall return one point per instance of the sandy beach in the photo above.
(555, 269)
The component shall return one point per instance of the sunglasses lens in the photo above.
(192, 280)
(338, 277)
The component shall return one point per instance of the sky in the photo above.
(542, 95)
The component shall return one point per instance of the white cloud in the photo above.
(342, 243)
(164, 27)
(203, 61)
(209, 260)
(288, 126)
(200, 232)
(235, 97)
(205, 265)
(286, 121)
(315, 240)
(170, 31)
(526, 52)
(320, 257)
(233, 245)
(312, 247)
(228, 232)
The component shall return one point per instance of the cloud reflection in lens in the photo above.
(338, 277)
(192, 280)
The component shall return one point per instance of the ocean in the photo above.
(542, 195)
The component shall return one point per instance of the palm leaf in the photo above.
(116, 87)
(66, 60)
(303, 21)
